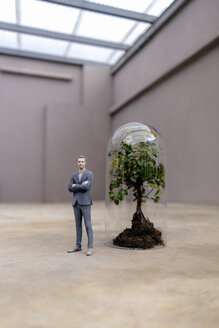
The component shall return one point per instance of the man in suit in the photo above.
(80, 184)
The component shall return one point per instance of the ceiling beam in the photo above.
(62, 36)
(41, 56)
(108, 10)
(18, 20)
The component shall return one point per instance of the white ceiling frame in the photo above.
(108, 10)
(62, 36)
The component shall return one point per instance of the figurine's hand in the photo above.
(85, 182)
(73, 185)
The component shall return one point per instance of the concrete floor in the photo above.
(43, 286)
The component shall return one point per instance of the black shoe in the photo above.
(76, 249)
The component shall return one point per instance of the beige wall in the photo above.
(174, 87)
(45, 124)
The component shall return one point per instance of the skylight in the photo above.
(84, 31)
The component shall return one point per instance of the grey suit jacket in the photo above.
(81, 192)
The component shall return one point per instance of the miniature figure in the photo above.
(80, 185)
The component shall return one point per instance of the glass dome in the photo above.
(135, 188)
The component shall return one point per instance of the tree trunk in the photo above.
(139, 201)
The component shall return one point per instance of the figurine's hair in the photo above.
(82, 156)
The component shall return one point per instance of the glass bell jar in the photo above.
(135, 188)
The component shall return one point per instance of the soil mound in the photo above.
(142, 234)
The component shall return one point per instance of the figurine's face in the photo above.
(81, 163)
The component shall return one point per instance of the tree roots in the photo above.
(142, 234)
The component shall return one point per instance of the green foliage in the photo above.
(136, 167)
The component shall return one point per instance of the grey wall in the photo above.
(45, 124)
(174, 87)
(171, 83)
(195, 26)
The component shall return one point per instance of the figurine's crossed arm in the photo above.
(83, 183)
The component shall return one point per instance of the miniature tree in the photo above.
(136, 169)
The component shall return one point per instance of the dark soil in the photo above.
(142, 234)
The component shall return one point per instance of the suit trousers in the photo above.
(85, 211)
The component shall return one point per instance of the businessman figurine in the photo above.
(80, 184)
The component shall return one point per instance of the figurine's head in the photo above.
(81, 162)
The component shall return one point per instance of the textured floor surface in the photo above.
(43, 286)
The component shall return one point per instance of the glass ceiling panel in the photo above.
(136, 32)
(92, 53)
(159, 7)
(66, 19)
(104, 27)
(43, 45)
(8, 39)
(48, 16)
(115, 57)
(7, 11)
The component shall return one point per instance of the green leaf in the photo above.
(111, 186)
(120, 196)
(111, 195)
(157, 192)
(151, 185)
(116, 201)
(112, 152)
(153, 133)
(134, 166)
